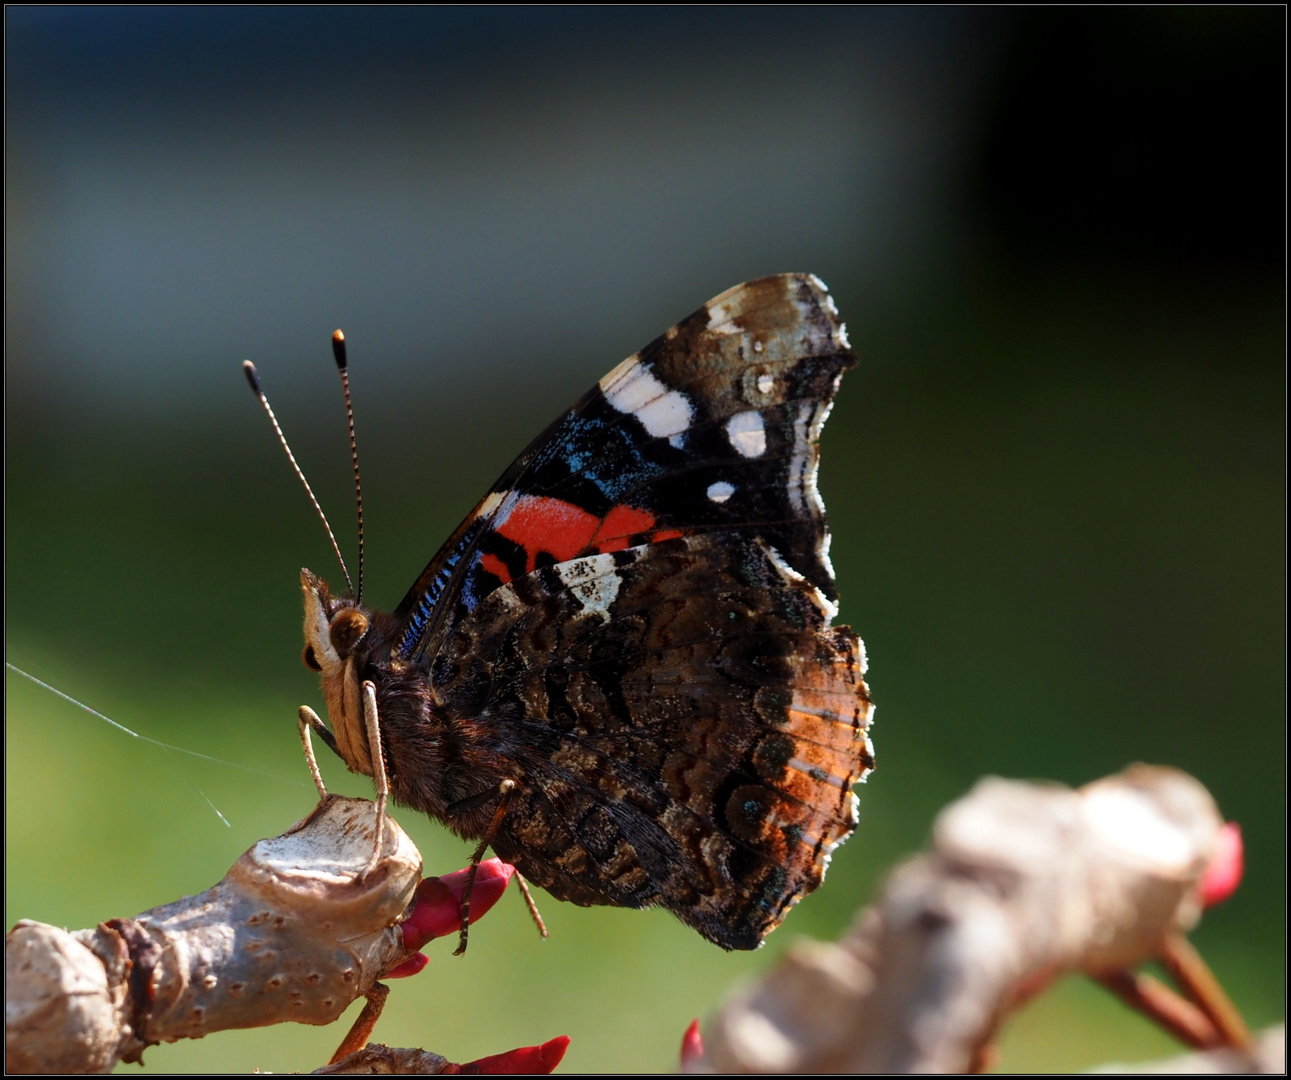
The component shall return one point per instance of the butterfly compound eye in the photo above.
(347, 629)
(310, 660)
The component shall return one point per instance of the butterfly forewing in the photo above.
(634, 625)
(712, 425)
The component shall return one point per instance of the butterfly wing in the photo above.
(684, 725)
(712, 425)
(639, 613)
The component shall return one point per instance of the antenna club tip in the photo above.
(253, 376)
(338, 349)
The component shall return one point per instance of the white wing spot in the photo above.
(488, 504)
(783, 568)
(822, 550)
(632, 388)
(801, 460)
(747, 434)
(720, 491)
(593, 582)
(722, 315)
(766, 383)
(869, 749)
(817, 773)
(794, 579)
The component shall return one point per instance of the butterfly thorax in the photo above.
(434, 756)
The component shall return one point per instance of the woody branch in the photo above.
(292, 932)
(1024, 882)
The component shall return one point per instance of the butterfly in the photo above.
(621, 670)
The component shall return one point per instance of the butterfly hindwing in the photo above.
(685, 727)
(713, 425)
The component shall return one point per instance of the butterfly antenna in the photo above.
(253, 377)
(338, 351)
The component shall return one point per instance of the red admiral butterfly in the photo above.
(620, 669)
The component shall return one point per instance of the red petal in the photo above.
(528, 1060)
(1220, 879)
(409, 967)
(692, 1045)
(439, 901)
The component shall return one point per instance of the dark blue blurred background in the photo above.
(1056, 480)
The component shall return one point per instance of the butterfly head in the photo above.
(337, 633)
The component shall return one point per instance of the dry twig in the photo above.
(289, 934)
(1024, 882)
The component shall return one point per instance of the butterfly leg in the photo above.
(308, 722)
(378, 772)
(533, 908)
(502, 793)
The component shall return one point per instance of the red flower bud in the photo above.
(438, 910)
(1220, 879)
(528, 1060)
(409, 967)
(692, 1045)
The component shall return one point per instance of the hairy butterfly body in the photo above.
(634, 627)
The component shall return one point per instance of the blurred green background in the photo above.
(1056, 480)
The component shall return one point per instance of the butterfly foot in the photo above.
(309, 722)
(379, 835)
(502, 793)
(534, 913)
(373, 726)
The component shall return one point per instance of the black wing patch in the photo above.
(713, 425)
